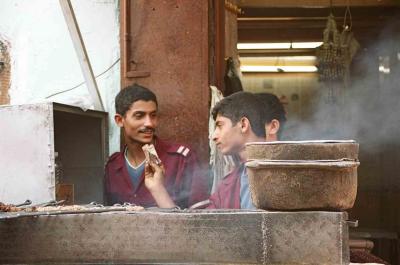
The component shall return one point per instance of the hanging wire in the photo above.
(331, 6)
(78, 85)
(347, 12)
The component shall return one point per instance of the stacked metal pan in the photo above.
(303, 175)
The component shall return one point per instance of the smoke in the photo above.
(368, 110)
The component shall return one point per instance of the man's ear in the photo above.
(119, 120)
(244, 125)
(271, 130)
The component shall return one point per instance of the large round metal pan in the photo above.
(303, 185)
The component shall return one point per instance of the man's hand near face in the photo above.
(154, 182)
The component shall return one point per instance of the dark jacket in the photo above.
(183, 180)
(227, 195)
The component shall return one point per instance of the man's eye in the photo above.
(138, 115)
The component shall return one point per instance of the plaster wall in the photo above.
(43, 59)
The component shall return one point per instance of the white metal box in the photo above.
(29, 136)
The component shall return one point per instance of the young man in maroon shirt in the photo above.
(137, 114)
(240, 118)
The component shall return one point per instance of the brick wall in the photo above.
(5, 74)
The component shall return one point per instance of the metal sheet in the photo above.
(309, 237)
(198, 237)
(29, 136)
(26, 153)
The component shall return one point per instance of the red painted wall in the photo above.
(165, 48)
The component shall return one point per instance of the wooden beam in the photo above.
(220, 25)
(298, 34)
(313, 3)
(287, 52)
(274, 12)
(80, 49)
(124, 39)
(307, 24)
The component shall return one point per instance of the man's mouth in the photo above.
(147, 131)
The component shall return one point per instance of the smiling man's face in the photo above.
(139, 122)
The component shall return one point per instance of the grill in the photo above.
(180, 237)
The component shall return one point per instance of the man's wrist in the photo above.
(159, 188)
(162, 197)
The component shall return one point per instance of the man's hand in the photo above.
(154, 176)
(154, 182)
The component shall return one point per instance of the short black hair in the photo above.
(127, 96)
(272, 109)
(239, 105)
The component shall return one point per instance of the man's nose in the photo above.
(149, 122)
(214, 135)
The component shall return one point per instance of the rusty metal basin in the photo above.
(303, 185)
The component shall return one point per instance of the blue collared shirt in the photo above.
(245, 196)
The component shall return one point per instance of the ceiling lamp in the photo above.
(278, 69)
(306, 45)
(278, 45)
(279, 64)
(262, 46)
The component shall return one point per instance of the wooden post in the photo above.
(80, 49)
